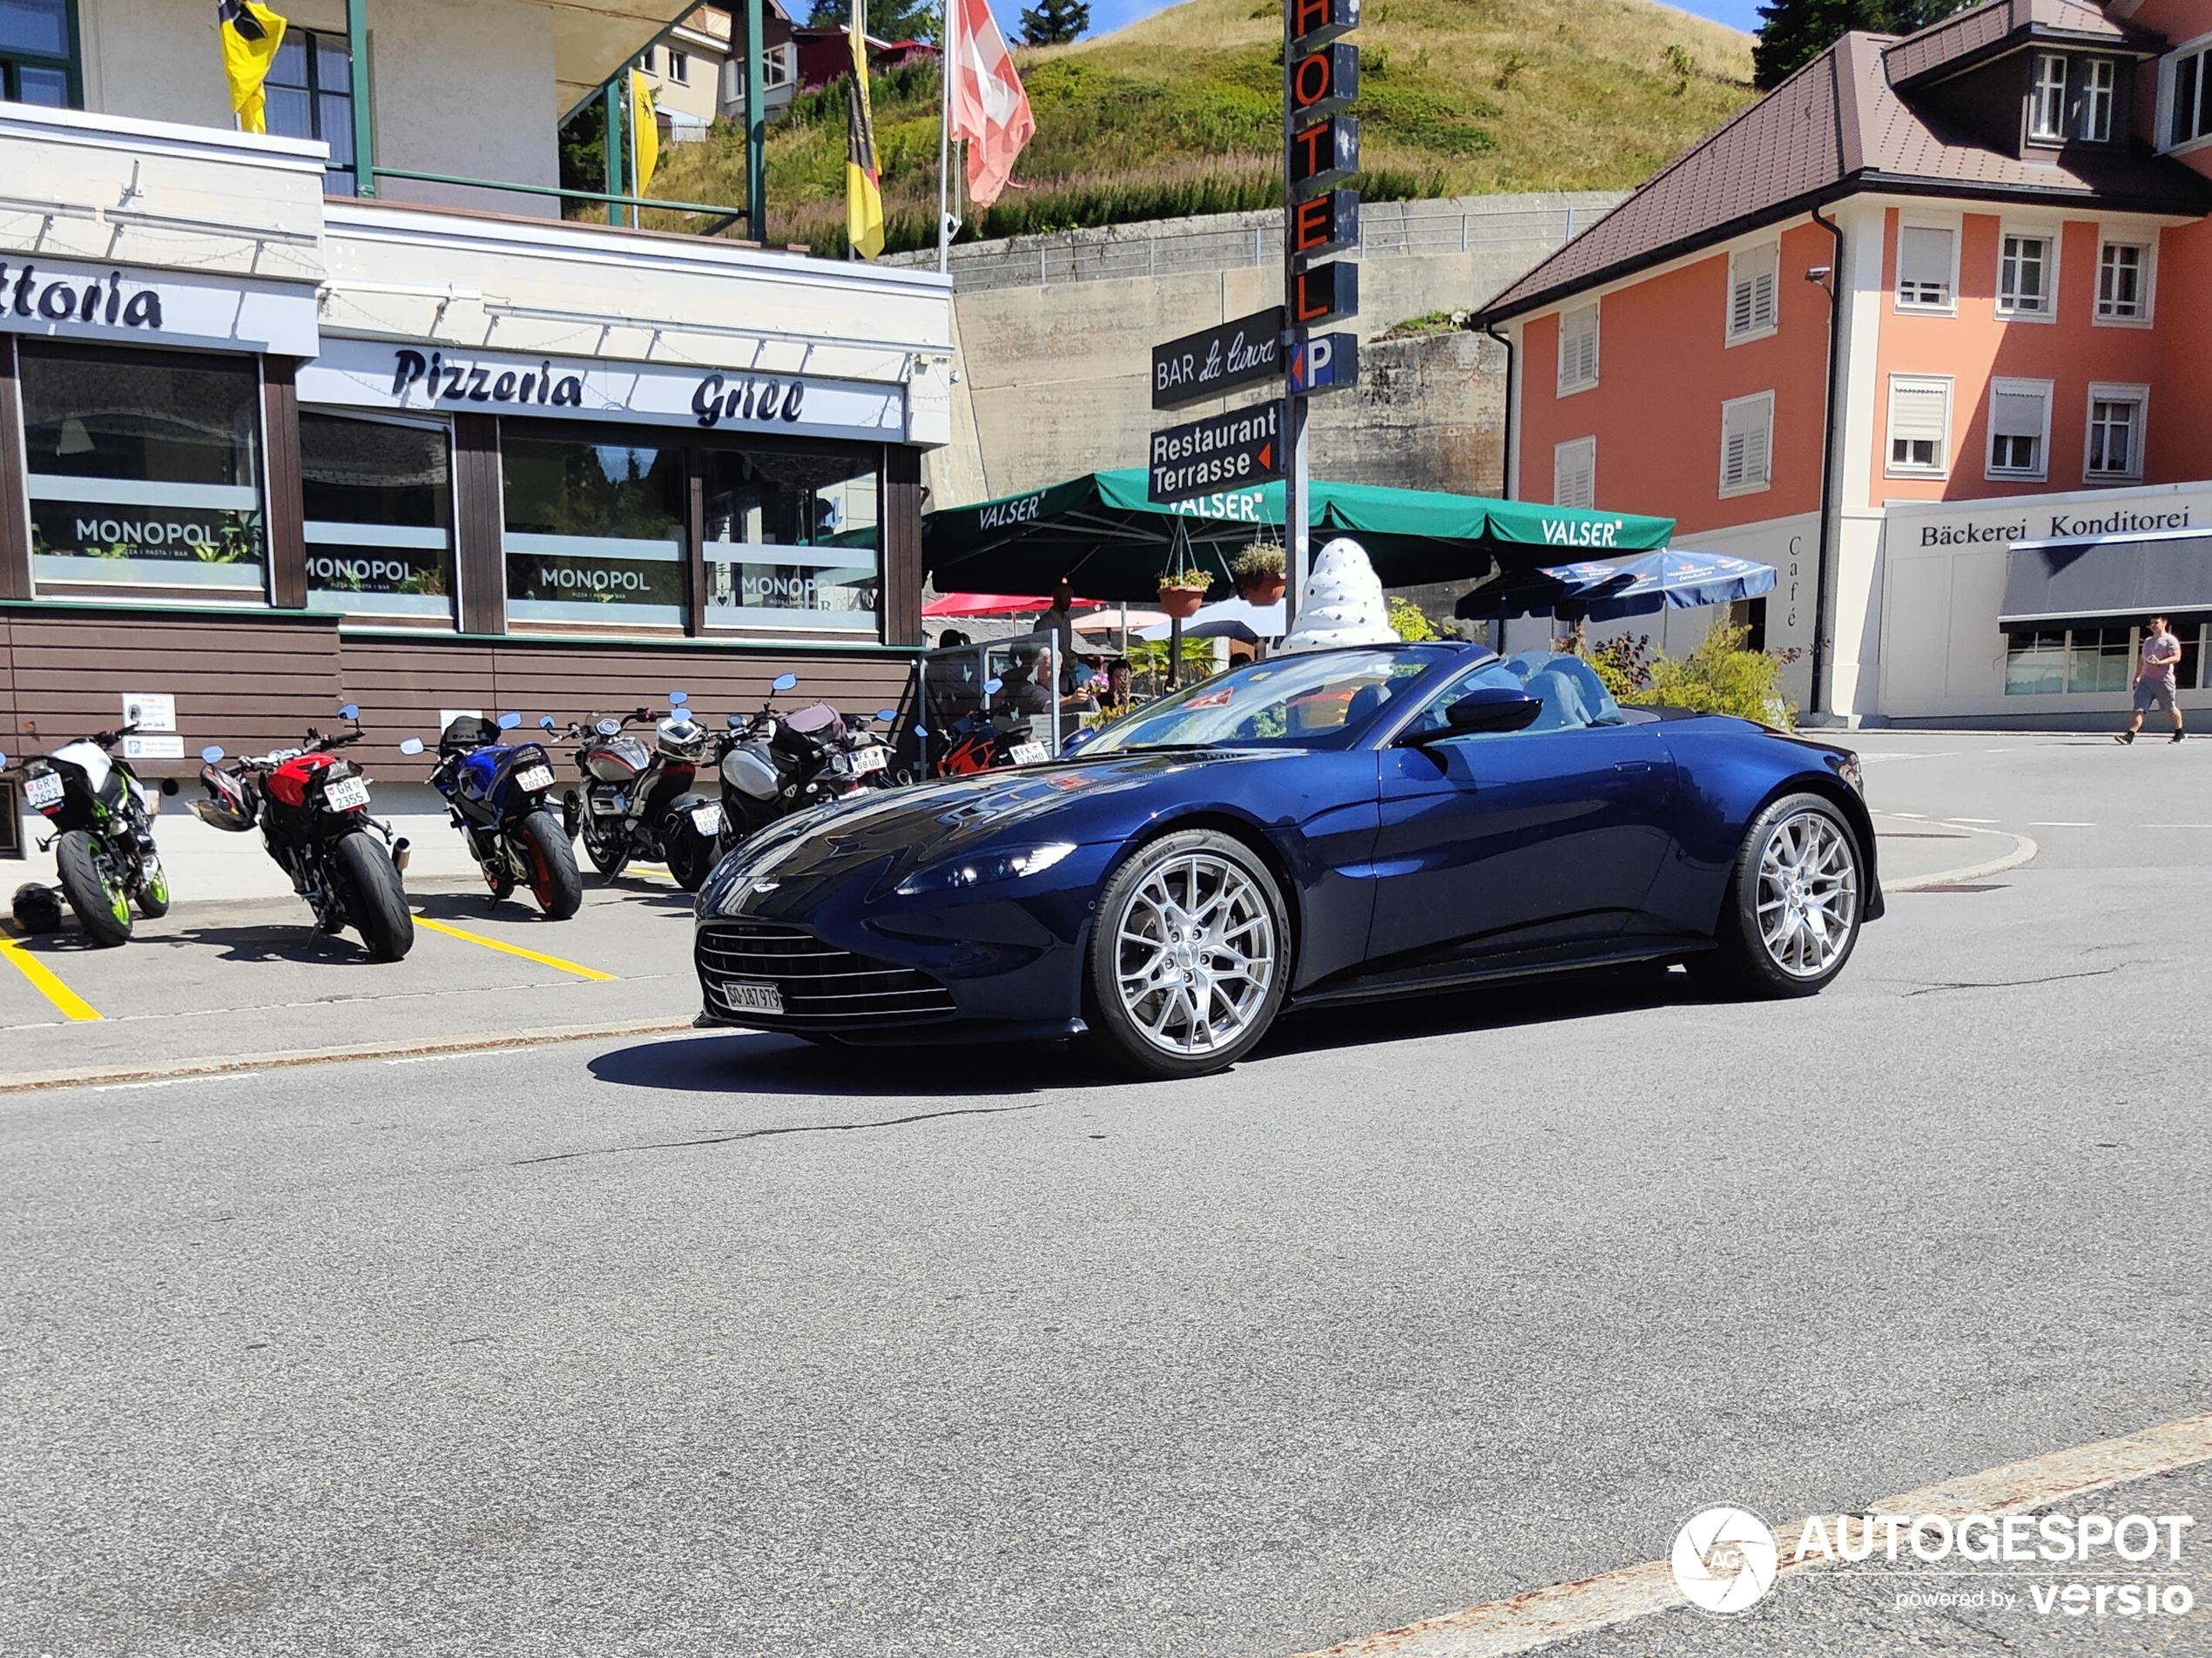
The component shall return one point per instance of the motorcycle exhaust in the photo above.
(400, 854)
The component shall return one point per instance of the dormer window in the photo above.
(2099, 75)
(2046, 110)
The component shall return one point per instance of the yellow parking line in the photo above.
(581, 971)
(73, 1006)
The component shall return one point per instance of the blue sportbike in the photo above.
(496, 793)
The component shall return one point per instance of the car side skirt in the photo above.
(1521, 964)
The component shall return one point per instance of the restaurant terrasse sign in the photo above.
(376, 373)
(1239, 446)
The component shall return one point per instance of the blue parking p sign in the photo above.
(1325, 363)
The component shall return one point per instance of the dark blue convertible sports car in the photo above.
(1358, 822)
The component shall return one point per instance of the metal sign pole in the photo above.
(1292, 437)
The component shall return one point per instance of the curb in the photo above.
(2023, 849)
(94, 1076)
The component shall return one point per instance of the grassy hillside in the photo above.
(1180, 114)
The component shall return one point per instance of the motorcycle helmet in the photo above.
(680, 738)
(38, 908)
(227, 806)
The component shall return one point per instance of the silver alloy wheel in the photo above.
(1808, 893)
(1195, 954)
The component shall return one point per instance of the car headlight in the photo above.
(992, 866)
(1848, 769)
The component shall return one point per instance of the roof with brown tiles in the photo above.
(1834, 128)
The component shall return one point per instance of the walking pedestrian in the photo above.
(2155, 679)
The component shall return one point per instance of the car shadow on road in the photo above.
(1592, 994)
(746, 1062)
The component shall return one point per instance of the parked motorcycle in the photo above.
(497, 793)
(311, 808)
(642, 802)
(773, 764)
(985, 739)
(103, 839)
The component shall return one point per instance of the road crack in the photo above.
(2010, 984)
(766, 1133)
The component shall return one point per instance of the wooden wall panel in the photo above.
(287, 541)
(901, 521)
(15, 511)
(480, 524)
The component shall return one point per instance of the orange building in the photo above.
(1924, 328)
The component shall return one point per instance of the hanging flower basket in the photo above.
(1182, 602)
(1258, 570)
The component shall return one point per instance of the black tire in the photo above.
(551, 860)
(1214, 871)
(102, 908)
(609, 856)
(375, 901)
(152, 896)
(1817, 918)
(691, 857)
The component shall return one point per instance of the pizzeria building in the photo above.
(270, 442)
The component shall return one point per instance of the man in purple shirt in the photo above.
(2155, 679)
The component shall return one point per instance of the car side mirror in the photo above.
(509, 721)
(1487, 709)
(411, 746)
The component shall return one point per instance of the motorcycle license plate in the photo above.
(43, 791)
(740, 998)
(866, 761)
(1028, 753)
(346, 794)
(707, 819)
(534, 778)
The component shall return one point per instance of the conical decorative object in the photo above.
(1342, 604)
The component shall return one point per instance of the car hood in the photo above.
(925, 823)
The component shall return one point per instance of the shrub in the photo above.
(1720, 676)
(1408, 619)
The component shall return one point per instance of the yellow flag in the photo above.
(252, 34)
(863, 177)
(646, 129)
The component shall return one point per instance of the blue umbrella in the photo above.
(1229, 618)
(1675, 579)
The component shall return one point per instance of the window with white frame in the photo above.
(2046, 105)
(2100, 76)
(2026, 265)
(1924, 274)
(2115, 445)
(2019, 427)
(2123, 282)
(1919, 425)
(1574, 473)
(2189, 95)
(680, 67)
(1747, 444)
(1578, 350)
(1751, 275)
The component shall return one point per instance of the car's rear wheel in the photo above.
(1190, 958)
(1792, 912)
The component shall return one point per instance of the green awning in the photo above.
(1103, 533)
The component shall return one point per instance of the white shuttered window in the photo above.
(1575, 474)
(1751, 291)
(1747, 444)
(2020, 427)
(1919, 425)
(1578, 350)
(1924, 267)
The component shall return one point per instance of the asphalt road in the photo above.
(722, 1344)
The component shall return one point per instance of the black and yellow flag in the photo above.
(252, 34)
(863, 177)
(644, 126)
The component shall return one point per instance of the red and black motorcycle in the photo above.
(311, 808)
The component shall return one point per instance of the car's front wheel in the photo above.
(1190, 957)
(1792, 911)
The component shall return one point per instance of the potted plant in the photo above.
(1181, 591)
(1258, 570)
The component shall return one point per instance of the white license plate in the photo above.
(866, 761)
(346, 794)
(1029, 753)
(45, 790)
(740, 998)
(534, 777)
(707, 819)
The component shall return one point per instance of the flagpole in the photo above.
(944, 136)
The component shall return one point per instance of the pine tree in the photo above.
(1794, 32)
(1054, 22)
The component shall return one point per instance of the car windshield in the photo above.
(1304, 701)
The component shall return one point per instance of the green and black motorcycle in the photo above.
(102, 843)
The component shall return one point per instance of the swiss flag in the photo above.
(990, 109)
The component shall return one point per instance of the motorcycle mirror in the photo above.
(3, 757)
(609, 728)
(784, 681)
(889, 716)
(545, 722)
(211, 754)
(677, 699)
(351, 710)
(992, 687)
(922, 730)
(411, 746)
(509, 721)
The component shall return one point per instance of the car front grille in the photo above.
(821, 985)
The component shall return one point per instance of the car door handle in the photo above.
(1635, 766)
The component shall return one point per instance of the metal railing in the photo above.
(725, 214)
